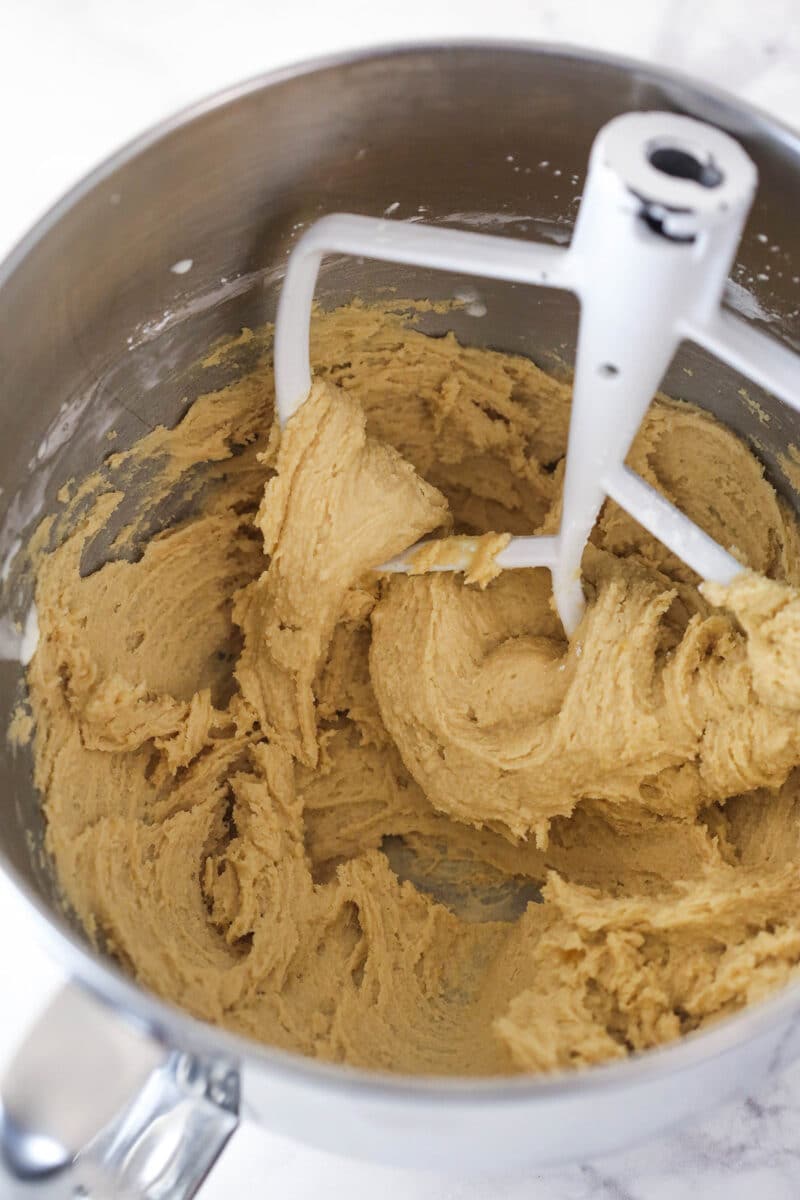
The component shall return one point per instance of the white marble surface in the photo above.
(78, 78)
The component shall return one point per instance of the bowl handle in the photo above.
(94, 1106)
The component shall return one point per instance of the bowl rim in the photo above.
(174, 1026)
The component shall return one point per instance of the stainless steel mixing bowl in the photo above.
(97, 331)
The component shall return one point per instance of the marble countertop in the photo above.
(80, 77)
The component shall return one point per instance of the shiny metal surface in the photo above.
(96, 333)
(93, 1106)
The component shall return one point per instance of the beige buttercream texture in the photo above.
(294, 797)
